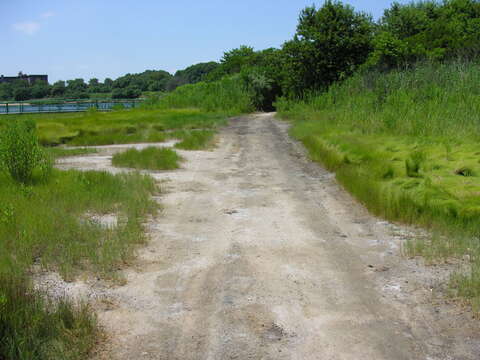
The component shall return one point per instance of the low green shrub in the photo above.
(151, 158)
(21, 153)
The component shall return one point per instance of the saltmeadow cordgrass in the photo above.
(51, 222)
(196, 140)
(406, 145)
(152, 158)
(118, 127)
(54, 225)
(34, 327)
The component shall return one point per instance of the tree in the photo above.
(427, 30)
(330, 43)
(77, 85)
(22, 93)
(58, 89)
(197, 72)
(232, 62)
(40, 89)
(108, 84)
(6, 91)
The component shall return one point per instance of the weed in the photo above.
(152, 158)
(21, 153)
(34, 327)
(464, 171)
(196, 140)
(43, 224)
(414, 162)
(412, 155)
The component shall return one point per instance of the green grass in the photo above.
(49, 222)
(227, 95)
(118, 127)
(152, 158)
(406, 145)
(33, 327)
(196, 140)
(52, 225)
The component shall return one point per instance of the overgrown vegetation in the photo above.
(118, 127)
(124, 87)
(53, 223)
(226, 95)
(152, 158)
(20, 152)
(196, 140)
(391, 106)
(405, 144)
(34, 327)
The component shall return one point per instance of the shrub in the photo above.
(20, 151)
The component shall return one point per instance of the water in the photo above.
(23, 108)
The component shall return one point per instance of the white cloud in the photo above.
(28, 27)
(47, 14)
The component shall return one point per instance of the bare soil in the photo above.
(260, 254)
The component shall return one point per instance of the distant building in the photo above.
(21, 76)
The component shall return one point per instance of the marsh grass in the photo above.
(47, 224)
(196, 140)
(406, 145)
(227, 95)
(52, 222)
(118, 127)
(151, 158)
(34, 327)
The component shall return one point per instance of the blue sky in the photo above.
(68, 39)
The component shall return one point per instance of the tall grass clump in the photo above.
(53, 225)
(34, 327)
(196, 140)
(428, 100)
(152, 158)
(225, 95)
(20, 152)
(405, 143)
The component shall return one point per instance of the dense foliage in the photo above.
(125, 87)
(333, 41)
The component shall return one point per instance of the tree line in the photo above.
(330, 44)
(125, 87)
(334, 41)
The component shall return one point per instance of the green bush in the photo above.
(21, 153)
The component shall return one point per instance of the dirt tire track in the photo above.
(259, 254)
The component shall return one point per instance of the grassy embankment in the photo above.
(406, 145)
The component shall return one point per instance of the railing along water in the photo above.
(65, 105)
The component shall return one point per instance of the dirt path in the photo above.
(260, 255)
